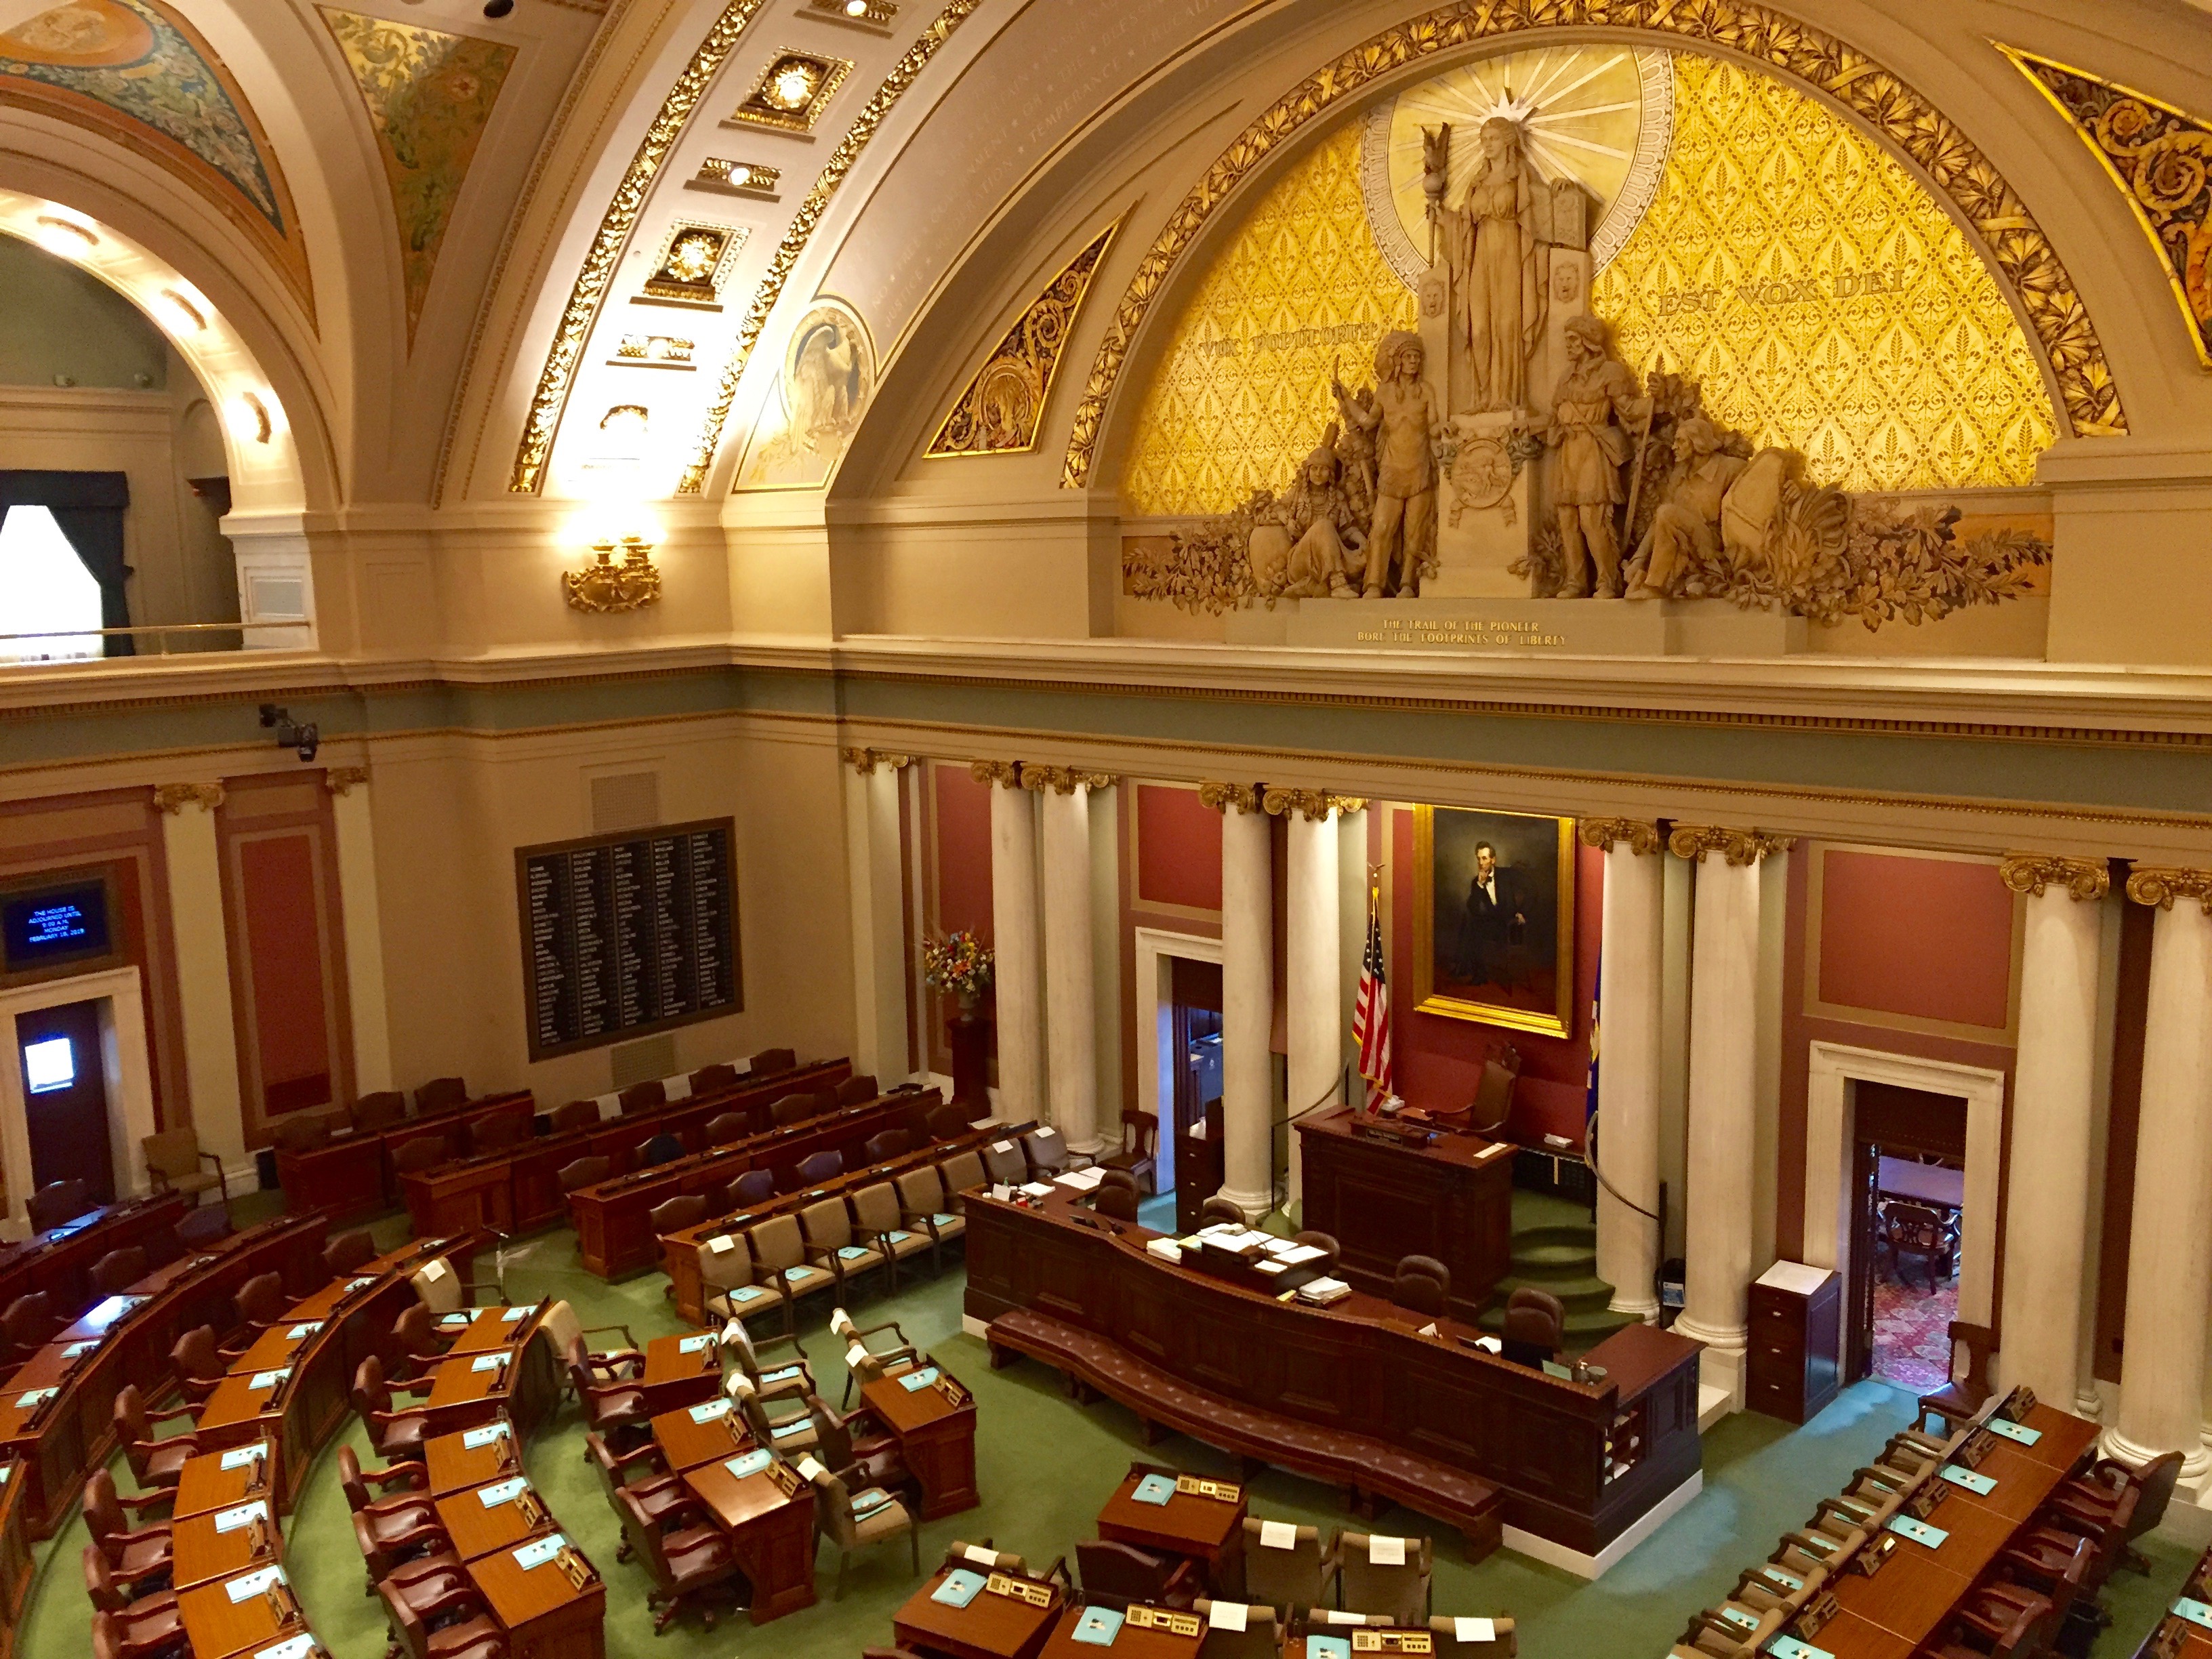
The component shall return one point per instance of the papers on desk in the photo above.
(749, 1465)
(1167, 1249)
(1278, 1535)
(1034, 1190)
(539, 1551)
(302, 1331)
(1098, 1627)
(504, 1492)
(1298, 1255)
(1918, 1531)
(1980, 1485)
(242, 1457)
(959, 1589)
(787, 1372)
(1327, 1647)
(261, 1380)
(36, 1398)
(2195, 1611)
(514, 1314)
(2014, 1432)
(713, 1411)
(1795, 1276)
(1226, 1615)
(1742, 1618)
(1474, 1630)
(850, 1252)
(247, 1585)
(1321, 1292)
(801, 1426)
(244, 1516)
(488, 1362)
(1788, 1581)
(1081, 1180)
(979, 1555)
(1154, 1489)
(298, 1647)
(353, 1285)
(1489, 1345)
(693, 1344)
(1336, 1616)
(78, 1350)
(1386, 1552)
(1271, 1267)
(914, 1382)
(490, 1434)
(809, 1470)
(1789, 1647)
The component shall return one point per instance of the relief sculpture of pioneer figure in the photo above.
(1593, 413)
(1405, 419)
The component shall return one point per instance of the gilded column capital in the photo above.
(174, 798)
(2031, 872)
(1244, 797)
(344, 780)
(2160, 885)
(865, 761)
(1063, 780)
(1739, 847)
(1007, 775)
(1640, 835)
(1317, 804)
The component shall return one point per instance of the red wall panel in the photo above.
(963, 852)
(284, 946)
(1178, 849)
(1930, 939)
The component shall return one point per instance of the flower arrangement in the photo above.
(959, 963)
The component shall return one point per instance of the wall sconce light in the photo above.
(604, 585)
(304, 740)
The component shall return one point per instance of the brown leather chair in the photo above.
(753, 1186)
(1218, 1208)
(1114, 1575)
(728, 1127)
(28, 1326)
(499, 1134)
(379, 1110)
(133, 1557)
(951, 1122)
(1422, 1285)
(118, 1270)
(656, 1149)
(890, 1144)
(417, 1343)
(57, 1201)
(584, 1172)
(1956, 1402)
(574, 1115)
(676, 1214)
(208, 1225)
(616, 1410)
(153, 1463)
(197, 1365)
(349, 1252)
(108, 1595)
(856, 1089)
(261, 1305)
(416, 1156)
(1535, 1326)
(707, 1079)
(2114, 1505)
(151, 1635)
(791, 1109)
(389, 1531)
(644, 1097)
(1139, 1150)
(398, 1436)
(769, 1061)
(818, 1167)
(302, 1132)
(441, 1094)
(465, 1630)
(1115, 1202)
(685, 1566)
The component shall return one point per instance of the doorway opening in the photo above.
(1908, 1227)
(1190, 1057)
(65, 1105)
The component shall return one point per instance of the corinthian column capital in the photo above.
(865, 761)
(2085, 879)
(1062, 780)
(1739, 847)
(2160, 885)
(1316, 805)
(173, 798)
(1638, 835)
(1244, 797)
(1007, 775)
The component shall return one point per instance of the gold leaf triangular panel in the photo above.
(2159, 156)
(999, 412)
(430, 96)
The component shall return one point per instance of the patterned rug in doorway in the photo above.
(1911, 1344)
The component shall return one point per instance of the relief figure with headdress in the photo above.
(1405, 421)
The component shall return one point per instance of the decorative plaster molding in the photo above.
(1316, 803)
(174, 798)
(1642, 836)
(1244, 797)
(1007, 775)
(2160, 885)
(1740, 847)
(344, 780)
(2018, 253)
(1064, 780)
(865, 760)
(2031, 872)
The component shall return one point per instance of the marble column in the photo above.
(364, 926)
(1723, 1099)
(1248, 995)
(1316, 1023)
(1015, 941)
(2170, 1237)
(1070, 1016)
(2053, 1093)
(1628, 1074)
(202, 946)
(881, 971)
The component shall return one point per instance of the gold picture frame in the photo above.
(1535, 858)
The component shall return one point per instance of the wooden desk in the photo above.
(486, 1330)
(275, 1348)
(1922, 1183)
(218, 1627)
(545, 1616)
(462, 1397)
(203, 1553)
(1206, 1530)
(1130, 1642)
(770, 1529)
(936, 1437)
(686, 1443)
(1850, 1635)
(1383, 1200)
(454, 1465)
(351, 1177)
(988, 1627)
(60, 1260)
(478, 1528)
(681, 1371)
(16, 1561)
(203, 1484)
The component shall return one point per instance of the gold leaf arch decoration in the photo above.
(2018, 251)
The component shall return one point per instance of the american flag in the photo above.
(1370, 1014)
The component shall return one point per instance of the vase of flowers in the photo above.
(960, 966)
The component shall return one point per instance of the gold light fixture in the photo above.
(792, 90)
(604, 587)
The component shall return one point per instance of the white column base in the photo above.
(1255, 1204)
(2195, 1462)
(1647, 1311)
(1540, 1548)
(1721, 1370)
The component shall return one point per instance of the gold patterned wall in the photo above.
(1823, 297)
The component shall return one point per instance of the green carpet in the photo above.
(1045, 1466)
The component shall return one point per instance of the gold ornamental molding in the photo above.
(598, 273)
(865, 761)
(1064, 780)
(1244, 797)
(2031, 873)
(2017, 250)
(1640, 835)
(1740, 848)
(803, 226)
(2159, 886)
(344, 780)
(1315, 804)
(1006, 775)
(174, 798)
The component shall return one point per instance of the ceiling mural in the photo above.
(137, 72)
(829, 372)
(1740, 232)
(430, 96)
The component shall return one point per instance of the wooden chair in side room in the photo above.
(738, 1285)
(879, 1222)
(1115, 1203)
(1286, 1566)
(1138, 1153)
(153, 1463)
(685, 1210)
(197, 1365)
(1905, 1229)
(646, 1097)
(441, 1094)
(1958, 1401)
(855, 1091)
(499, 1134)
(465, 1629)
(584, 1172)
(924, 1208)
(574, 1114)
(349, 1252)
(133, 1556)
(1503, 1642)
(118, 1270)
(422, 1153)
(727, 1127)
(381, 1110)
(398, 1436)
(1399, 1589)
(176, 1164)
(56, 1202)
(1114, 1575)
(707, 1079)
(817, 1167)
(686, 1566)
(860, 1519)
(769, 1061)
(1218, 1208)
(890, 1144)
(1422, 1285)
(1254, 1637)
(1536, 1325)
